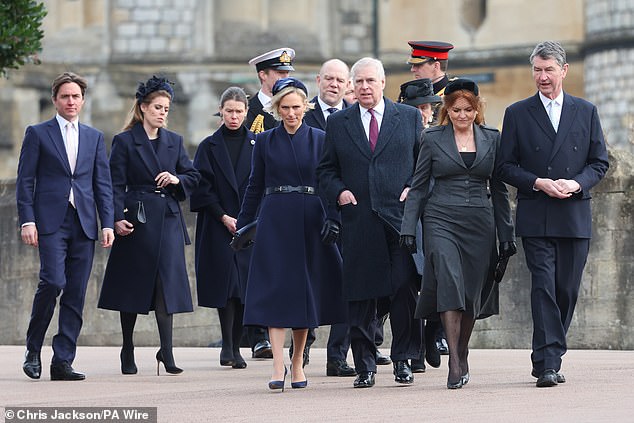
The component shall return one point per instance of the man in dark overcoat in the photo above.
(366, 168)
(552, 150)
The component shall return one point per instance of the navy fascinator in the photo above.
(153, 84)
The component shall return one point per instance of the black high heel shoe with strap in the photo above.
(169, 367)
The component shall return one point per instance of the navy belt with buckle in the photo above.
(283, 189)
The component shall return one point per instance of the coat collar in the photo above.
(55, 133)
(447, 144)
(146, 151)
(389, 123)
(243, 166)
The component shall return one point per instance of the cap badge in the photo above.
(285, 57)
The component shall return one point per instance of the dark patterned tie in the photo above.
(332, 110)
(374, 130)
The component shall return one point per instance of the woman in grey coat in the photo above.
(461, 215)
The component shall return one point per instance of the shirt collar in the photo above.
(559, 100)
(264, 99)
(63, 122)
(379, 108)
(325, 106)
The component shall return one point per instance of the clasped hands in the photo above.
(561, 188)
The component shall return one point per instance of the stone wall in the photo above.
(609, 71)
(604, 316)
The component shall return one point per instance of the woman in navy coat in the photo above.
(294, 278)
(146, 269)
(224, 162)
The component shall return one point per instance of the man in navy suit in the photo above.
(552, 150)
(63, 181)
(366, 168)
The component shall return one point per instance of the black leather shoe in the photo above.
(382, 360)
(432, 355)
(32, 364)
(402, 372)
(364, 380)
(417, 366)
(339, 368)
(547, 379)
(262, 350)
(64, 371)
(441, 346)
(560, 376)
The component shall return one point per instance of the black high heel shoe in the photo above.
(278, 384)
(128, 366)
(169, 367)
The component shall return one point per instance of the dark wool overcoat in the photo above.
(218, 267)
(155, 248)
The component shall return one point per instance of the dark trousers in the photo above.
(401, 305)
(556, 266)
(65, 263)
(256, 334)
(338, 342)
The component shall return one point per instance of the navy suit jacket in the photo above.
(530, 149)
(44, 179)
(256, 108)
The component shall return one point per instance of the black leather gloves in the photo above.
(330, 231)
(506, 250)
(409, 242)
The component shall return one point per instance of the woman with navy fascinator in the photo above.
(151, 173)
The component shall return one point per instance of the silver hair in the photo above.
(366, 62)
(549, 50)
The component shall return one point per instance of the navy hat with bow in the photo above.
(282, 83)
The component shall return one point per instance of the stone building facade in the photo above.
(204, 46)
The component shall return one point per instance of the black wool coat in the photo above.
(222, 185)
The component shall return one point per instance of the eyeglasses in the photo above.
(282, 83)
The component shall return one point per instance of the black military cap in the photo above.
(422, 51)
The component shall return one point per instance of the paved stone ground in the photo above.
(598, 389)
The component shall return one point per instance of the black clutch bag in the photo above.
(135, 213)
(244, 237)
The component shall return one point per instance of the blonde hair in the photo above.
(277, 98)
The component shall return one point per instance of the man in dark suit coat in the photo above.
(366, 168)
(271, 66)
(63, 181)
(553, 152)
